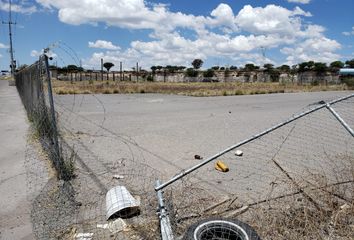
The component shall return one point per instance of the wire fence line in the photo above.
(301, 166)
(296, 180)
(34, 87)
(54, 208)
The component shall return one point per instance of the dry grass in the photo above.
(189, 89)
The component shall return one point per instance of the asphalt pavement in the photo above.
(14, 205)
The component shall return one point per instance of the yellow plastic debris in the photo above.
(221, 166)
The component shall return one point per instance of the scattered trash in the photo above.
(116, 226)
(198, 157)
(238, 153)
(345, 207)
(221, 166)
(118, 176)
(84, 236)
(120, 203)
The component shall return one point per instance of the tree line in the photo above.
(318, 67)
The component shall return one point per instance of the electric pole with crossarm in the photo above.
(10, 23)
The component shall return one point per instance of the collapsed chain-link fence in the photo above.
(294, 181)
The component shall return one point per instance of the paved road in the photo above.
(14, 206)
(170, 129)
(149, 136)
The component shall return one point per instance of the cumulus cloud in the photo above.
(270, 19)
(349, 33)
(300, 1)
(103, 45)
(3, 45)
(35, 53)
(224, 33)
(22, 7)
(316, 49)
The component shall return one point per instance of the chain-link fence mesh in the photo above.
(296, 181)
(54, 208)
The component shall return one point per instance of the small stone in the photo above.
(238, 153)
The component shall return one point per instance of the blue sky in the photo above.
(231, 32)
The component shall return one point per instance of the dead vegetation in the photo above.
(199, 89)
(316, 208)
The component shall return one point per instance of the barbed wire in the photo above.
(293, 181)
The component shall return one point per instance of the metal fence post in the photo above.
(165, 224)
(340, 119)
(52, 112)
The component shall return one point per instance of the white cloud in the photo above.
(223, 33)
(103, 45)
(22, 7)
(300, 1)
(270, 19)
(316, 49)
(349, 33)
(35, 53)
(3, 46)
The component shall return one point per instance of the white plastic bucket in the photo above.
(120, 203)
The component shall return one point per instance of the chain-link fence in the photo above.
(54, 206)
(295, 180)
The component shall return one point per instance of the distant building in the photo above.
(346, 71)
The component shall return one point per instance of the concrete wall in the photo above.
(252, 76)
(309, 77)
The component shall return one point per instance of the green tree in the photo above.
(153, 69)
(72, 68)
(268, 66)
(233, 68)
(284, 68)
(215, 68)
(350, 63)
(191, 72)
(306, 66)
(197, 63)
(250, 67)
(208, 73)
(337, 64)
(320, 67)
(108, 65)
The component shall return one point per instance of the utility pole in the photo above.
(10, 23)
(137, 71)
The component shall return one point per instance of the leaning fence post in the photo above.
(340, 119)
(165, 225)
(52, 112)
